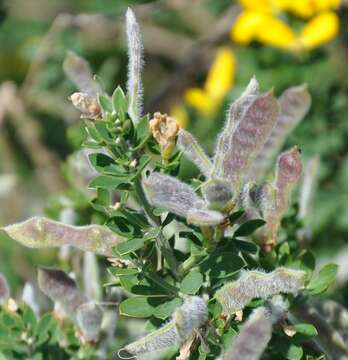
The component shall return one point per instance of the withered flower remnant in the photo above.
(87, 104)
(165, 130)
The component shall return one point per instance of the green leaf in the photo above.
(103, 131)
(142, 130)
(119, 103)
(166, 309)
(306, 329)
(234, 217)
(222, 264)
(139, 306)
(246, 246)
(129, 246)
(294, 352)
(45, 324)
(191, 283)
(323, 280)
(249, 227)
(106, 181)
(99, 160)
(105, 103)
(123, 271)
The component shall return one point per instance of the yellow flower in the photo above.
(252, 25)
(219, 81)
(308, 8)
(321, 29)
(257, 23)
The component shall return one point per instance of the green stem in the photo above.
(162, 241)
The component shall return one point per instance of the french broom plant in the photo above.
(201, 260)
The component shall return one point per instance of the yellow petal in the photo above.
(246, 26)
(200, 100)
(180, 114)
(321, 29)
(221, 75)
(327, 4)
(274, 32)
(257, 5)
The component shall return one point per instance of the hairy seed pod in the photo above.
(40, 232)
(294, 104)
(252, 339)
(191, 148)
(89, 317)
(169, 193)
(190, 316)
(202, 217)
(79, 72)
(235, 114)
(218, 194)
(4, 290)
(288, 172)
(135, 64)
(236, 295)
(63, 290)
(179, 198)
(248, 128)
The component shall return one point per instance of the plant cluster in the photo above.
(208, 262)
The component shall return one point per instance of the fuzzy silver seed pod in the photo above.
(237, 294)
(40, 232)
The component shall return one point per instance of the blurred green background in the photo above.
(40, 128)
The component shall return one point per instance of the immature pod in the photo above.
(256, 332)
(294, 104)
(248, 128)
(169, 193)
(79, 72)
(252, 339)
(62, 289)
(235, 295)
(179, 198)
(40, 232)
(288, 172)
(191, 148)
(191, 316)
(135, 64)
(4, 290)
(218, 194)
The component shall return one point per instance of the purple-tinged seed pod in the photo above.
(63, 290)
(294, 104)
(40, 232)
(249, 126)
(190, 316)
(79, 72)
(169, 193)
(253, 338)
(235, 295)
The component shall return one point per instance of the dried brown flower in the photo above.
(164, 129)
(87, 104)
